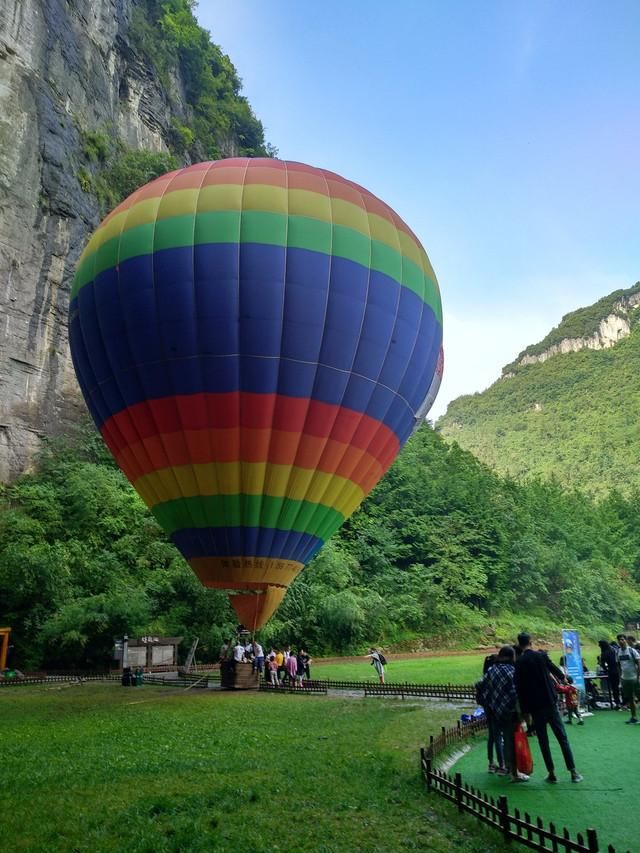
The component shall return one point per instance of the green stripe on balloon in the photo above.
(248, 511)
(298, 232)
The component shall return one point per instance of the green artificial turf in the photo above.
(106, 768)
(606, 753)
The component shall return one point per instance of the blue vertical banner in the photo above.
(573, 659)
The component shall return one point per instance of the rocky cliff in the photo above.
(598, 326)
(611, 329)
(69, 76)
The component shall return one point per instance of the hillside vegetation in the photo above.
(574, 417)
(444, 551)
(211, 118)
(581, 323)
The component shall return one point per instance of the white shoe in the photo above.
(520, 777)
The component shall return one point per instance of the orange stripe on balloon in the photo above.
(171, 450)
(276, 173)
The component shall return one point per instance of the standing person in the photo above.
(609, 663)
(280, 661)
(376, 661)
(301, 666)
(307, 667)
(238, 652)
(537, 696)
(494, 737)
(226, 650)
(291, 665)
(258, 657)
(629, 666)
(272, 666)
(499, 690)
(518, 648)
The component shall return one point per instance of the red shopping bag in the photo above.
(524, 761)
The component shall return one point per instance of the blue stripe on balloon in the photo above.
(174, 323)
(246, 542)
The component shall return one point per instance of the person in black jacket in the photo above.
(609, 663)
(537, 697)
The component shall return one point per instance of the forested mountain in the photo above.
(444, 551)
(568, 407)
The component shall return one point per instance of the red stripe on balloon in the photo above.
(215, 427)
(243, 409)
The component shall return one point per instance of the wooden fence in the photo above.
(534, 833)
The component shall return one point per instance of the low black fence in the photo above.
(25, 681)
(305, 687)
(450, 692)
(535, 833)
(183, 684)
(211, 675)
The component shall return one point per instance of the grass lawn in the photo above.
(103, 768)
(447, 669)
(453, 669)
(605, 751)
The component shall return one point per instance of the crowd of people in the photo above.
(619, 660)
(280, 667)
(520, 685)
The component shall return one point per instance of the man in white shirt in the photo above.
(258, 657)
(238, 652)
(629, 663)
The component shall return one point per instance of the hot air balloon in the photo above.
(255, 340)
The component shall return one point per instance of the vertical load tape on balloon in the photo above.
(255, 340)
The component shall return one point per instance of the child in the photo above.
(272, 666)
(571, 700)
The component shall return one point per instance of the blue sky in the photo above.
(506, 134)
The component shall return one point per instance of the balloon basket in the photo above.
(242, 676)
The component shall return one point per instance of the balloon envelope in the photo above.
(255, 340)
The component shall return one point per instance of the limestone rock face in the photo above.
(65, 65)
(611, 329)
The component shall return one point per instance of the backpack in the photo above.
(382, 659)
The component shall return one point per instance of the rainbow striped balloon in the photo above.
(255, 340)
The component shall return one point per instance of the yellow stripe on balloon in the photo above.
(350, 215)
(259, 197)
(141, 213)
(308, 203)
(386, 232)
(263, 197)
(219, 197)
(250, 478)
(178, 203)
